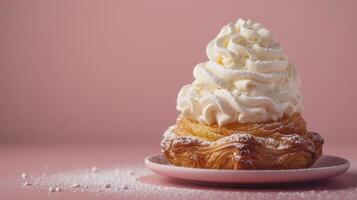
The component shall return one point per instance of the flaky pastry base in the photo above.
(283, 144)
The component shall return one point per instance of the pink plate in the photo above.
(324, 168)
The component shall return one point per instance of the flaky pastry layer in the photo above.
(283, 144)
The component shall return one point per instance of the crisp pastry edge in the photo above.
(242, 150)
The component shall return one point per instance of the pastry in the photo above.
(243, 110)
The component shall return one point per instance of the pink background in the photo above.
(110, 71)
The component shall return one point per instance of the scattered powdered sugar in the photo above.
(239, 158)
(106, 179)
(58, 189)
(76, 185)
(131, 173)
(236, 137)
(23, 175)
(127, 182)
(94, 169)
(27, 184)
(125, 187)
(238, 140)
(170, 136)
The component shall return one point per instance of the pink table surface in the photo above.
(53, 158)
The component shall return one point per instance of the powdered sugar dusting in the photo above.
(242, 143)
(104, 180)
(125, 182)
(237, 138)
(169, 136)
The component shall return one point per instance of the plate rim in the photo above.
(345, 165)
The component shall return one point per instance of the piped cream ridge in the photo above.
(246, 79)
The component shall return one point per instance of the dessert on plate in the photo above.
(243, 110)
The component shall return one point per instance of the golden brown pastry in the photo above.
(243, 110)
(283, 144)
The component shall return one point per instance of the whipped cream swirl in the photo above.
(247, 79)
